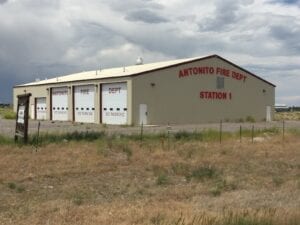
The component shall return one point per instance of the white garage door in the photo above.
(84, 99)
(114, 103)
(60, 104)
(41, 108)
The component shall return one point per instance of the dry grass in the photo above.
(129, 182)
(287, 116)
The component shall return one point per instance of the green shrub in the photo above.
(181, 169)
(185, 135)
(204, 172)
(7, 113)
(250, 119)
(20, 189)
(11, 185)
(216, 191)
(159, 219)
(6, 140)
(10, 116)
(127, 150)
(77, 199)
(162, 179)
(48, 138)
(278, 181)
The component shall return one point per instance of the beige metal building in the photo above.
(194, 90)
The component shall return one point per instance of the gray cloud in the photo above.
(3, 1)
(288, 2)
(288, 36)
(225, 16)
(146, 16)
(125, 6)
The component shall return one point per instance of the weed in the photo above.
(278, 181)
(162, 179)
(7, 113)
(240, 120)
(181, 169)
(294, 131)
(60, 138)
(216, 191)
(127, 150)
(158, 219)
(20, 189)
(158, 170)
(77, 198)
(5, 140)
(204, 172)
(184, 135)
(12, 185)
(102, 148)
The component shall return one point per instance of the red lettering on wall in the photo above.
(215, 95)
(207, 70)
(238, 76)
(196, 71)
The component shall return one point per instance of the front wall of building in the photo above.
(45, 91)
(189, 94)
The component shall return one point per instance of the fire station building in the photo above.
(185, 91)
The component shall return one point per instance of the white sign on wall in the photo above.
(21, 114)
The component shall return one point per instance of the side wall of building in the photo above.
(188, 94)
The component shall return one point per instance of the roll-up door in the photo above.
(59, 100)
(40, 108)
(84, 103)
(114, 103)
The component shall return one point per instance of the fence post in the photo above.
(142, 131)
(252, 133)
(37, 138)
(240, 133)
(168, 135)
(283, 130)
(220, 131)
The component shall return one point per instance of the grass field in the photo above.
(122, 180)
(7, 113)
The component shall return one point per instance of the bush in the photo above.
(184, 135)
(11, 185)
(74, 136)
(8, 113)
(10, 116)
(181, 169)
(250, 119)
(204, 172)
(5, 140)
(162, 179)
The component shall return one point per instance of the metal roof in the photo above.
(127, 71)
(110, 73)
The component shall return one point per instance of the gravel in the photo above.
(7, 127)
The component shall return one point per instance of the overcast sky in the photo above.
(47, 38)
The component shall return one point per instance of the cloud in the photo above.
(49, 38)
(3, 1)
(145, 16)
(226, 14)
(289, 2)
(288, 36)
